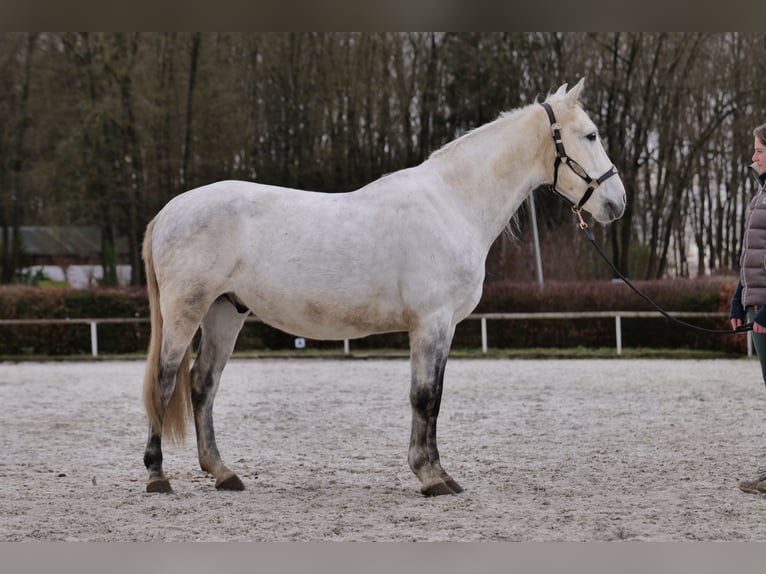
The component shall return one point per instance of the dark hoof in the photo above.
(159, 485)
(230, 483)
(453, 486)
(437, 488)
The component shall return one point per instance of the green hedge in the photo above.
(22, 302)
(709, 294)
(706, 295)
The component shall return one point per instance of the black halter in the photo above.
(561, 157)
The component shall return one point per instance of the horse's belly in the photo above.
(332, 322)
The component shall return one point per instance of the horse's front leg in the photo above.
(429, 348)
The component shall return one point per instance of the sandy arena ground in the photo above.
(569, 450)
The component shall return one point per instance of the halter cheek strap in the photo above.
(561, 157)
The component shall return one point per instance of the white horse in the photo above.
(404, 253)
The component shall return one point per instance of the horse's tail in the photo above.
(178, 413)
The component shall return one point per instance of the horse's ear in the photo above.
(574, 93)
(561, 91)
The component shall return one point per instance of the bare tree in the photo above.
(103, 129)
(14, 192)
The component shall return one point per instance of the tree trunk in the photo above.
(12, 247)
(186, 175)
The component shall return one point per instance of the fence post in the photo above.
(93, 339)
(484, 335)
(618, 333)
(346, 347)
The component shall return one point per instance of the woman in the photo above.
(749, 300)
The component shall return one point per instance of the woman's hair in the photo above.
(760, 133)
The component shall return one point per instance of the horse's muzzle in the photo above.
(615, 210)
(611, 211)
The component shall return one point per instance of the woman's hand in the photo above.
(736, 323)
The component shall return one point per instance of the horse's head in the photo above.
(581, 171)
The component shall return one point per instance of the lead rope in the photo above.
(589, 234)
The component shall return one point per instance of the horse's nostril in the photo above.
(614, 210)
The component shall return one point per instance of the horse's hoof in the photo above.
(436, 488)
(159, 485)
(231, 482)
(453, 486)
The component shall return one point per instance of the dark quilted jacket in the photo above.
(752, 262)
(751, 289)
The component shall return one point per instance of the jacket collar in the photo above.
(759, 177)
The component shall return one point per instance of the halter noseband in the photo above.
(561, 157)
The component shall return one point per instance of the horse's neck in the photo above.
(493, 169)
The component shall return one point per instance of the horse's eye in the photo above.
(592, 136)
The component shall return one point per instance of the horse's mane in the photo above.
(502, 119)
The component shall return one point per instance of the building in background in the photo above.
(70, 254)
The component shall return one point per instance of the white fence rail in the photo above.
(617, 315)
(482, 317)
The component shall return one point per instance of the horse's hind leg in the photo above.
(429, 347)
(220, 328)
(173, 358)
